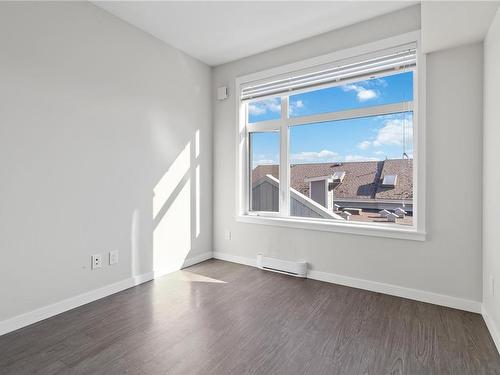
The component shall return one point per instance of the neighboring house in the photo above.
(265, 194)
(369, 185)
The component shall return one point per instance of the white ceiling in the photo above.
(219, 32)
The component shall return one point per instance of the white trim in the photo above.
(187, 263)
(339, 226)
(419, 141)
(46, 312)
(264, 126)
(379, 110)
(284, 163)
(418, 229)
(348, 53)
(236, 259)
(398, 291)
(197, 259)
(373, 286)
(492, 327)
(143, 278)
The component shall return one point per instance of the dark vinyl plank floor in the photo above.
(219, 318)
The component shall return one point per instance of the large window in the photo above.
(334, 144)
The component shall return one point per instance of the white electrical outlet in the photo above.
(96, 261)
(227, 235)
(113, 257)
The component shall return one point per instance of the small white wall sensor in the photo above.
(222, 93)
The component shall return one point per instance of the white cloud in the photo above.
(265, 162)
(296, 105)
(364, 145)
(314, 157)
(379, 152)
(264, 106)
(391, 134)
(256, 163)
(361, 92)
(359, 158)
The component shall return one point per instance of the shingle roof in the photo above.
(362, 179)
(404, 185)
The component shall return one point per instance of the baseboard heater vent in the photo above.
(297, 269)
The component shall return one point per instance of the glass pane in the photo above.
(265, 172)
(337, 169)
(264, 110)
(378, 91)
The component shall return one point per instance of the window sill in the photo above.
(387, 231)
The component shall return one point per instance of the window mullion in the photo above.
(284, 165)
(379, 110)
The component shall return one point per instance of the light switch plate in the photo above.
(113, 257)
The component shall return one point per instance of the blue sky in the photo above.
(371, 138)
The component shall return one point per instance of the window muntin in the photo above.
(264, 171)
(390, 107)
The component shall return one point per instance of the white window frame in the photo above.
(282, 218)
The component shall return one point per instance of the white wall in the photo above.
(93, 114)
(491, 172)
(449, 262)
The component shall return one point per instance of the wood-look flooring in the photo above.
(219, 318)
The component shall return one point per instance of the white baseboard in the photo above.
(187, 262)
(236, 259)
(45, 312)
(145, 277)
(374, 286)
(492, 327)
(398, 291)
(198, 259)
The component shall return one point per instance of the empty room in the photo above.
(250, 187)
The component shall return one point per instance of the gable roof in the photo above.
(362, 179)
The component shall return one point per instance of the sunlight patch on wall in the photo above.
(166, 186)
(172, 234)
(197, 183)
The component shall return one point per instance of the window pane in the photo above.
(264, 176)
(263, 110)
(378, 91)
(353, 169)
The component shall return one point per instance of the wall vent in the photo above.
(297, 269)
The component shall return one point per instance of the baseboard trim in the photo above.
(492, 327)
(374, 286)
(235, 259)
(398, 291)
(145, 277)
(57, 308)
(187, 263)
(198, 259)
